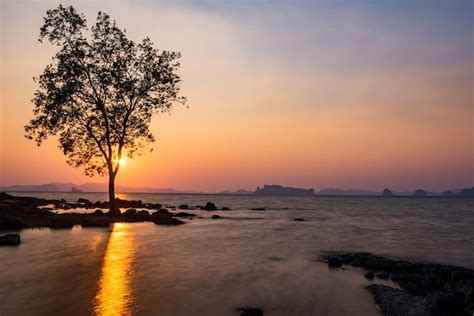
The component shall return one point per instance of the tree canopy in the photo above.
(101, 91)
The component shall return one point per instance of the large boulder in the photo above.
(209, 207)
(163, 217)
(10, 240)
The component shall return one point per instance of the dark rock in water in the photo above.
(210, 207)
(13, 222)
(250, 311)
(335, 262)
(225, 208)
(370, 275)
(383, 276)
(258, 209)
(95, 222)
(163, 217)
(299, 219)
(10, 240)
(83, 201)
(130, 212)
(184, 214)
(98, 212)
(183, 207)
(387, 192)
(419, 193)
(392, 301)
(216, 217)
(426, 289)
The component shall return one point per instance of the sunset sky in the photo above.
(347, 94)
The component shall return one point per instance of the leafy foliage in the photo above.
(101, 91)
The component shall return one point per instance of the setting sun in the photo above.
(121, 161)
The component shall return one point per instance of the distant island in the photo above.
(276, 189)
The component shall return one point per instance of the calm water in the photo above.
(209, 267)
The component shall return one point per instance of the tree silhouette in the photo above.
(100, 92)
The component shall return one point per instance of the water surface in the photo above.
(256, 258)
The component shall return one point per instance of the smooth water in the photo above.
(209, 267)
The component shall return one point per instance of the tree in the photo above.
(100, 93)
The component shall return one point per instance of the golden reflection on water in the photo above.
(114, 296)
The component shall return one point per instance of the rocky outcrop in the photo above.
(281, 190)
(426, 289)
(209, 207)
(10, 240)
(164, 217)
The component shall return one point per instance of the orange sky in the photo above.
(325, 96)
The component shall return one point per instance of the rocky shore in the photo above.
(29, 212)
(425, 288)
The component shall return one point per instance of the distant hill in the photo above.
(276, 189)
(86, 187)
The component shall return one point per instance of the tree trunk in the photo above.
(112, 204)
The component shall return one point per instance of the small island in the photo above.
(283, 191)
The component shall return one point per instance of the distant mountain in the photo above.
(276, 189)
(341, 192)
(86, 187)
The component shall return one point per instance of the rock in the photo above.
(299, 219)
(210, 207)
(216, 217)
(387, 192)
(13, 222)
(183, 207)
(450, 303)
(83, 201)
(10, 240)
(335, 262)
(165, 218)
(250, 311)
(426, 288)
(225, 208)
(258, 209)
(98, 212)
(393, 302)
(130, 212)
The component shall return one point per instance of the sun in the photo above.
(120, 161)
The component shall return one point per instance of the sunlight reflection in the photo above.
(114, 296)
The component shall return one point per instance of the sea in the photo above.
(257, 258)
